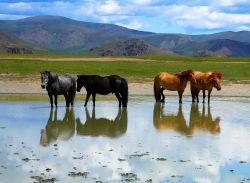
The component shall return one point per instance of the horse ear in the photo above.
(219, 75)
(210, 77)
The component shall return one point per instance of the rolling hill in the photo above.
(64, 35)
(60, 33)
(129, 47)
(12, 44)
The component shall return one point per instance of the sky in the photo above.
(161, 16)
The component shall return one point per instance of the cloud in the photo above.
(229, 2)
(20, 6)
(243, 28)
(134, 24)
(159, 16)
(109, 7)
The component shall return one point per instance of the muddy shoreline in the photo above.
(33, 87)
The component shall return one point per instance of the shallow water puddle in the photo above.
(147, 142)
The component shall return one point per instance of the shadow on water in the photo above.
(58, 129)
(198, 121)
(102, 126)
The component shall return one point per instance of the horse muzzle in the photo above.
(43, 86)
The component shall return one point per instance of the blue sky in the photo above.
(162, 16)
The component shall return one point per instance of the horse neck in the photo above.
(183, 80)
(53, 77)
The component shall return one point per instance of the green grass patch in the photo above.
(195, 59)
(88, 54)
(136, 71)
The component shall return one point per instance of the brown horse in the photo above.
(205, 81)
(177, 82)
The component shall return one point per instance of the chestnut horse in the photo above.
(177, 82)
(205, 81)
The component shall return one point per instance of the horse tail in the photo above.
(124, 93)
(157, 88)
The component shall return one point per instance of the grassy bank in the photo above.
(152, 58)
(138, 71)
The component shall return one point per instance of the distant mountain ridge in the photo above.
(129, 47)
(12, 44)
(71, 36)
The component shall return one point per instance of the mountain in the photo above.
(219, 47)
(61, 33)
(219, 44)
(64, 35)
(12, 44)
(129, 47)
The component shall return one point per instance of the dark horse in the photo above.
(59, 85)
(104, 85)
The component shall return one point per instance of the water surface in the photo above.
(145, 142)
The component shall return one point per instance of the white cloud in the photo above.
(142, 2)
(134, 24)
(109, 7)
(20, 6)
(243, 28)
(229, 2)
(11, 17)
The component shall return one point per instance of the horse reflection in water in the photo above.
(103, 127)
(197, 122)
(58, 129)
(169, 122)
(202, 121)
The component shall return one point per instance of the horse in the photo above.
(95, 84)
(112, 128)
(58, 129)
(59, 85)
(205, 81)
(177, 82)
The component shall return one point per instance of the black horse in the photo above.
(104, 85)
(59, 85)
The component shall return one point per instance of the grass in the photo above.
(85, 54)
(196, 59)
(136, 71)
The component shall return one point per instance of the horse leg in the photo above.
(55, 96)
(51, 100)
(119, 99)
(208, 96)
(193, 92)
(162, 94)
(180, 96)
(93, 98)
(204, 95)
(197, 95)
(66, 99)
(87, 99)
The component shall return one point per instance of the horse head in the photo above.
(81, 81)
(44, 78)
(215, 78)
(187, 75)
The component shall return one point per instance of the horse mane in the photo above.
(215, 75)
(185, 73)
(83, 76)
